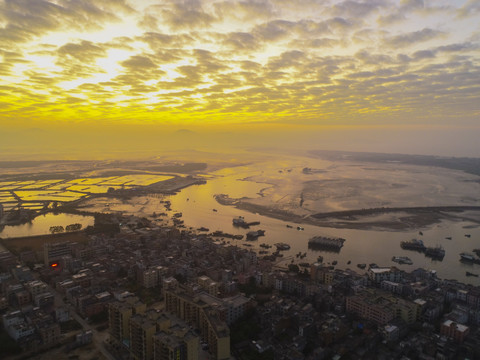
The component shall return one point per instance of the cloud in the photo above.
(423, 54)
(402, 12)
(26, 20)
(356, 9)
(186, 14)
(274, 30)
(287, 59)
(208, 62)
(277, 30)
(160, 41)
(138, 63)
(373, 59)
(408, 5)
(241, 41)
(245, 10)
(408, 39)
(391, 19)
(83, 51)
(459, 47)
(470, 8)
(305, 60)
(316, 43)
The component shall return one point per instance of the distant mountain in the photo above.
(185, 132)
(469, 165)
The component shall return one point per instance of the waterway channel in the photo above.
(200, 209)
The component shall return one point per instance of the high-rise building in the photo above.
(206, 313)
(53, 252)
(142, 330)
(119, 314)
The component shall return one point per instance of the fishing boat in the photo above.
(402, 260)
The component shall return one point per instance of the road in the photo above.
(98, 338)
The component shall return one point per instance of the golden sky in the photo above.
(193, 63)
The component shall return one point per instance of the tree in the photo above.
(57, 229)
(73, 227)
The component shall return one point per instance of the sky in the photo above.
(371, 75)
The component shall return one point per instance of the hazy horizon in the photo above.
(137, 142)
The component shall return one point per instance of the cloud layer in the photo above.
(370, 62)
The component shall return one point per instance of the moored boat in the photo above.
(467, 257)
(436, 252)
(402, 260)
(253, 235)
(282, 246)
(413, 244)
(326, 243)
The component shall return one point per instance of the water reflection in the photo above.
(282, 182)
(41, 225)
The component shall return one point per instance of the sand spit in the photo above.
(390, 219)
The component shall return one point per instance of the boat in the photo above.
(413, 244)
(468, 273)
(436, 252)
(253, 235)
(326, 243)
(282, 246)
(402, 260)
(467, 257)
(362, 266)
(240, 222)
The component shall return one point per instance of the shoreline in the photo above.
(408, 218)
